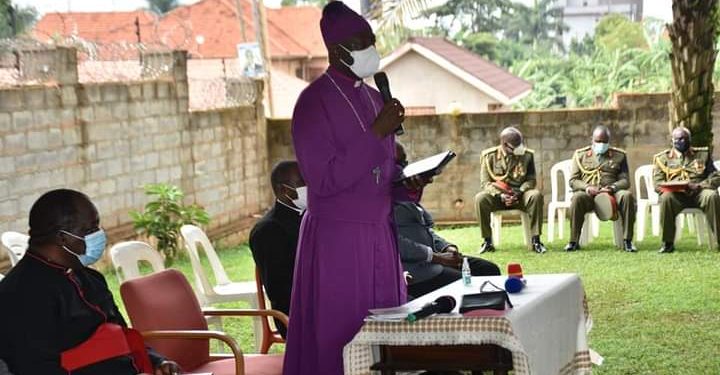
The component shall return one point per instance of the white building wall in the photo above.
(419, 82)
(581, 16)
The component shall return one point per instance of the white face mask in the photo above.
(365, 62)
(519, 150)
(600, 148)
(301, 201)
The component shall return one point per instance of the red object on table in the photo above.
(514, 269)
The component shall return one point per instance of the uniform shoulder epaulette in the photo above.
(582, 149)
(489, 150)
(661, 153)
(618, 150)
(530, 150)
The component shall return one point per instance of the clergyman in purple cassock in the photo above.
(347, 259)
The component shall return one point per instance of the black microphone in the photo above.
(382, 83)
(442, 305)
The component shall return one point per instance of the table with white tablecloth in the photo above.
(546, 331)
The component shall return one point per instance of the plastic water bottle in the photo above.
(466, 276)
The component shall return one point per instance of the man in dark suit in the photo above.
(274, 238)
(431, 261)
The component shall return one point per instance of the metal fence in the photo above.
(213, 83)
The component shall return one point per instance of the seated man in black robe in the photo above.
(51, 302)
(274, 238)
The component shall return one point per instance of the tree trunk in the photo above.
(692, 59)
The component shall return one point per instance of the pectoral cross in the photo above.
(377, 171)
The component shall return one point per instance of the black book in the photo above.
(428, 167)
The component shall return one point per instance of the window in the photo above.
(493, 107)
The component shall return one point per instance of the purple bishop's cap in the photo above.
(339, 23)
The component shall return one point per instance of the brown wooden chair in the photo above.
(269, 336)
(164, 308)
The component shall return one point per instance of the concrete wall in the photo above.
(110, 139)
(639, 124)
(445, 87)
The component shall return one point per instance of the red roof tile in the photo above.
(215, 21)
(496, 77)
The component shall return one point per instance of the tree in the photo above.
(583, 47)
(389, 41)
(693, 34)
(15, 20)
(475, 16)
(615, 31)
(162, 6)
(541, 25)
(393, 14)
(483, 44)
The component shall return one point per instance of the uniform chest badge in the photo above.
(518, 171)
(699, 167)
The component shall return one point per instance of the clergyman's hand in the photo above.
(389, 119)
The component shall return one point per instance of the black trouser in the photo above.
(478, 267)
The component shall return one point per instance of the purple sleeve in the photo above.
(326, 168)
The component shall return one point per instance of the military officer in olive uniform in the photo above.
(693, 165)
(508, 181)
(597, 169)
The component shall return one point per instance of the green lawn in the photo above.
(653, 313)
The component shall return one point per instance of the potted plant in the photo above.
(164, 215)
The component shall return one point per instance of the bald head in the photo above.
(681, 139)
(601, 134)
(510, 139)
(680, 132)
(284, 179)
(511, 135)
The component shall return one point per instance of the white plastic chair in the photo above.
(224, 290)
(591, 219)
(647, 201)
(126, 256)
(558, 208)
(698, 218)
(650, 202)
(15, 244)
(496, 224)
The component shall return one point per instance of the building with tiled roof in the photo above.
(208, 29)
(435, 75)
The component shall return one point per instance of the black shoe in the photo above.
(487, 247)
(667, 248)
(539, 247)
(572, 246)
(629, 247)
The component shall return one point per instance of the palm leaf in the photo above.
(392, 14)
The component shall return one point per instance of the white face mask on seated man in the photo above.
(301, 201)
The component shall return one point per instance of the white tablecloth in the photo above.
(546, 331)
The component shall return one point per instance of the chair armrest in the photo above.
(279, 315)
(192, 334)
